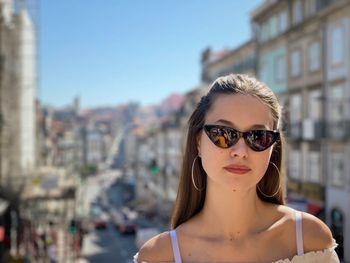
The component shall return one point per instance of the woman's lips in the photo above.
(237, 169)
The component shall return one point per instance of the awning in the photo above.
(56, 194)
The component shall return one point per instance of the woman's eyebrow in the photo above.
(226, 122)
(255, 126)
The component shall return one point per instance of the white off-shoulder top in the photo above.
(327, 255)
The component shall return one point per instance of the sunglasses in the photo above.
(225, 137)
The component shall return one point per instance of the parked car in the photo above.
(145, 234)
(100, 221)
(127, 226)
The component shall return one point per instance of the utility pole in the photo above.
(1, 87)
(1, 125)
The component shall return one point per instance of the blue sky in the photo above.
(116, 51)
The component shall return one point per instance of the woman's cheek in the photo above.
(212, 161)
(263, 164)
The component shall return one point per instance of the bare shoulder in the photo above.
(157, 249)
(316, 234)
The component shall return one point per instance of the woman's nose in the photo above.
(240, 148)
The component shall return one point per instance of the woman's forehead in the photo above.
(241, 111)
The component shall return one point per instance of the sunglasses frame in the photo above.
(244, 135)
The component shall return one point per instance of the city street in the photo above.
(106, 245)
(109, 245)
(102, 104)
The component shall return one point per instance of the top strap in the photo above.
(299, 233)
(175, 245)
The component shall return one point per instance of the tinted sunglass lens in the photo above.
(221, 137)
(225, 137)
(260, 140)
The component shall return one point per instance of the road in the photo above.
(108, 246)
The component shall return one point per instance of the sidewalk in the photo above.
(66, 251)
(89, 247)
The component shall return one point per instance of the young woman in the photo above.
(230, 202)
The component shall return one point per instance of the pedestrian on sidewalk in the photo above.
(81, 234)
(52, 252)
(230, 205)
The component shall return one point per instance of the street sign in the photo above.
(49, 183)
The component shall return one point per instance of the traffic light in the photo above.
(72, 226)
(154, 167)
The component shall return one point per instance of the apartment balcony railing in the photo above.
(313, 129)
(338, 129)
(320, 4)
(316, 130)
(294, 130)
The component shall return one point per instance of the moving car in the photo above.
(100, 221)
(126, 226)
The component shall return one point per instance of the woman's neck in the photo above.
(232, 214)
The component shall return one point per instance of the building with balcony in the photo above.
(303, 55)
(238, 60)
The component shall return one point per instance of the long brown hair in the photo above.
(189, 200)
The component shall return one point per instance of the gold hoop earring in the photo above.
(279, 186)
(194, 184)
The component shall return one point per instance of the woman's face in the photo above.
(243, 113)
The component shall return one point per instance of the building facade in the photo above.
(18, 95)
(303, 53)
(242, 60)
